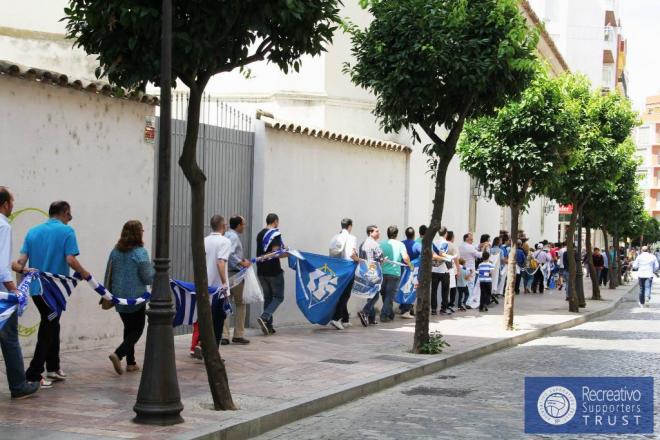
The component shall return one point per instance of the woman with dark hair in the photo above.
(127, 275)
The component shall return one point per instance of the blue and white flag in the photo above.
(55, 291)
(15, 303)
(320, 282)
(185, 301)
(368, 278)
(407, 293)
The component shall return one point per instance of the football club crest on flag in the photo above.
(320, 281)
(407, 293)
(368, 278)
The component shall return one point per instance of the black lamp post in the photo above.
(158, 400)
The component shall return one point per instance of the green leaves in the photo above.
(516, 153)
(431, 61)
(209, 36)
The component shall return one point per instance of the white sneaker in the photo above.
(346, 324)
(337, 325)
(45, 383)
(407, 315)
(641, 305)
(56, 375)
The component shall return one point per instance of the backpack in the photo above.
(533, 264)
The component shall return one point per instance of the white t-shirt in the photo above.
(217, 248)
(440, 266)
(345, 243)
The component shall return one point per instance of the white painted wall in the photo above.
(58, 143)
(311, 184)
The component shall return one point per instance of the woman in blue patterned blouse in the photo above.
(128, 273)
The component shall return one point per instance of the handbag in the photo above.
(106, 304)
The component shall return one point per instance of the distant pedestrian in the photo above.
(646, 265)
(371, 252)
(49, 247)
(344, 246)
(542, 258)
(11, 348)
(406, 310)
(269, 271)
(236, 262)
(604, 273)
(485, 271)
(469, 253)
(394, 253)
(462, 280)
(598, 262)
(128, 273)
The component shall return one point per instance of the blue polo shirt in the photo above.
(47, 247)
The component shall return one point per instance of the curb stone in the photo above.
(260, 422)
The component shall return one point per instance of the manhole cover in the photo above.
(408, 360)
(433, 391)
(339, 361)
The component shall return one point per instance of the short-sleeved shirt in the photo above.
(462, 278)
(47, 247)
(269, 268)
(393, 250)
(370, 250)
(410, 248)
(217, 248)
(485, 270)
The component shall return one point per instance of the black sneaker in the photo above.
(271, 330)
(373, 323)
(197, 354)
(468, 307)
(433, 312)
(28, 390)
(451, 309)
(444, 312)
(224, 341)
(263, 326)
(363, 318)
(241, 341)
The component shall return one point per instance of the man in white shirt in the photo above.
(344, 245)
(469, 253)
(646, 264)
(217, 249)
(11, 348)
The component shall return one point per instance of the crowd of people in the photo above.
(464, 276)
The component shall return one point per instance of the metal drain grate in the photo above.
(339, 361)
(407, 360)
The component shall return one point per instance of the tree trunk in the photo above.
(215, 369)
(510, 294)
(595, 289)
(572, 264)
(579, 272)
(423, 303)
(617, 254)
(613, 266)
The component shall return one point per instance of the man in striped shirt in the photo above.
(485, 271)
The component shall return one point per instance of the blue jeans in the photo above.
(567, 283)
(388, 289)
(645, 289)
(11, 351)
(273, 288)
(368, 308)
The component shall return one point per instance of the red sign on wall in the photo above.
(565, 209)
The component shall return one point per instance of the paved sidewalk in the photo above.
(276, 379)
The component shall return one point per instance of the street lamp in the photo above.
(159, 400)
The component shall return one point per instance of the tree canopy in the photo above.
(208, 36)
(515, 153)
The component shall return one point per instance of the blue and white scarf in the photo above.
(10, 303)
(269, 236)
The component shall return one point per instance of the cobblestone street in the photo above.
(483, 399)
